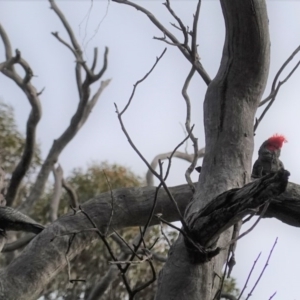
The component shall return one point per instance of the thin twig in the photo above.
(200, 248)
(182, 27)
(141, 80)
(128, 246)
(164, 235)
(273, 295)
(34, 117)
(146, 284)
(263, 270)
(153, 171)
(249, 275)
(139, 153)
(275, 89)
(174, 41)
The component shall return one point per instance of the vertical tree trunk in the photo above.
(229, 109)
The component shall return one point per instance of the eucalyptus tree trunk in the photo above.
(229, 109)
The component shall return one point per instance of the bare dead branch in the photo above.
(90, 105)
(104, 67)
(84, 108)
(275, 89)
(273, 295)
(127, 245)
(72, 194)
(56, 34)
(182, 27)
(195, 54)
(128, 251)
(103, 238)
(174, 41)
(148, 165)
(141, 80)
(57, 192)
(263, 270)
(32, 95)
(6, 42)
(148, 222)
(164, 39)
(163, 156)
(185, 95)
(67, 26)
(8, 64)
(95, 59)
(249, 275)
(164, 235)
(162, 181)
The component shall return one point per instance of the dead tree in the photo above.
(223, 195)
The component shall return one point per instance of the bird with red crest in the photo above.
(268, 156)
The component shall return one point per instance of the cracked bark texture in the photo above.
(229, 109)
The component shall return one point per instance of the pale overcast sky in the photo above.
(155, 116)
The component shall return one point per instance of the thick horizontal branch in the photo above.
(43, 259)
(231, 206)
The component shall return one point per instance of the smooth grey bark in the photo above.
(229, 109)
(42, 259)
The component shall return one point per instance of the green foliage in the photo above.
(100, 178)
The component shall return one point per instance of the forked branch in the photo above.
(190, 53)
(276, 85)
(85, 105)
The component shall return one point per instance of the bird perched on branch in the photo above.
(268, 156)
